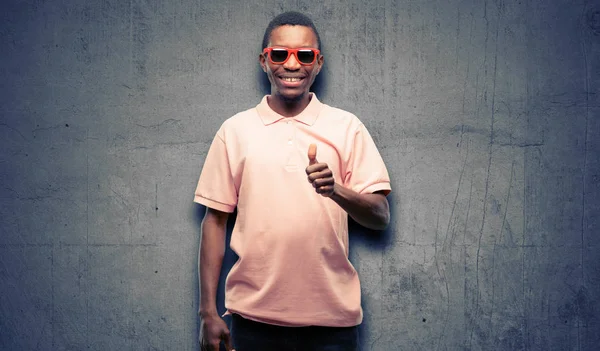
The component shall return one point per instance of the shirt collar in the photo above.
(308, 116)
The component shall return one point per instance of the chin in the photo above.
(292, 97)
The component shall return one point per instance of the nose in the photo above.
(292, 63)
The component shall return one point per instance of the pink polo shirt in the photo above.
(292, 243)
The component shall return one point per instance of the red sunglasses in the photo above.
(279, 56)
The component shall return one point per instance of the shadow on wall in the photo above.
(376, 241)
(373, 239)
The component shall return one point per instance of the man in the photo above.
(295, 168)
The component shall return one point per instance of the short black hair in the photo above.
(291, 18)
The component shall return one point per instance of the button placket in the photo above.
(290, 141)
(291, 163)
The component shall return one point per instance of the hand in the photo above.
(213, 330)
(319, 174)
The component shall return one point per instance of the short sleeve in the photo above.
(216, 187)
(366, 172)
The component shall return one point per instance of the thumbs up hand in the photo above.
(319, 174)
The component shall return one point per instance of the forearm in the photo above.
(369, 210)
(210, 261)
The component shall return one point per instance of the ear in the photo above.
(320, 61)
(263, 63)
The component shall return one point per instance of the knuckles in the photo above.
(317, 167)
(324, 190)
(322, 182)
(315, 173)
(321, 178)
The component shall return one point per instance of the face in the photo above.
(291, 80)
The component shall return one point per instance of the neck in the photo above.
(288, 108)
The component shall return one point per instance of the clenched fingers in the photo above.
(317, 167)
(323, 173)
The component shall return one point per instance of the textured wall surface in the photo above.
(487, 114)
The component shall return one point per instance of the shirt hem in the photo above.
(358, 321)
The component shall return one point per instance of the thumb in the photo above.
(312, 154)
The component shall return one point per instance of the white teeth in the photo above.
(289, 79)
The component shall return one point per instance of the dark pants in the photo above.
(254, 336)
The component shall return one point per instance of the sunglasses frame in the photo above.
(267, 51)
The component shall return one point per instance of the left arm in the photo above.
(369, 210)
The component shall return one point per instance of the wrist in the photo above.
(208, 313)
(335, 195)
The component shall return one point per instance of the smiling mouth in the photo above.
(291, 79)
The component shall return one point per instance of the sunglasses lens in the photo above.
(279, 55)
(306, 56)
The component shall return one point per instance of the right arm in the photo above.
(213, 329)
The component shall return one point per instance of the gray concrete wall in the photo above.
(487, 114)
